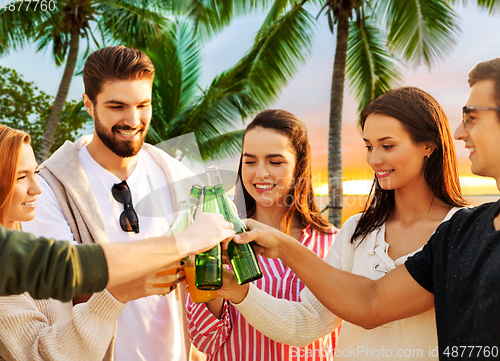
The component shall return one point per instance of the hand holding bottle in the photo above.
(147, 286)
(272, 242)
(231, 290)
(208, 230)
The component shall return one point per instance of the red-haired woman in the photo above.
(275, 180)
(49, 329)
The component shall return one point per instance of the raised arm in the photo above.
(354, 298)
(51, 269)
(128, 261)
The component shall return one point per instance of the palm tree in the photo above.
(369, 48)
(216, 114)
(134, 23)
(372, 38)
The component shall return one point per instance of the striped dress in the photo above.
(231, 338)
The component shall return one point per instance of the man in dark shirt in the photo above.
(457, 271)
(460, 265)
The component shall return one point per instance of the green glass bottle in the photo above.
(209, 263)
(188, 209)
(180, 223)
(246, 267)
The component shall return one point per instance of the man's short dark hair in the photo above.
(487, 70)
(115, 63)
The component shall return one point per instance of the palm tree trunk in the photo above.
(60, 101)
(336, 100)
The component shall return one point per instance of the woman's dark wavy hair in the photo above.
(304, 206)
(425, 121)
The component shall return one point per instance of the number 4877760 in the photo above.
(27, 5)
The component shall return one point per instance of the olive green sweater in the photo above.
(46, 268)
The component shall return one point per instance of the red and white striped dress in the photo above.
(231, 338)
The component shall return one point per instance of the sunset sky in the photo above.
(308, 94)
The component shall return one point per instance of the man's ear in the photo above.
(89, 106)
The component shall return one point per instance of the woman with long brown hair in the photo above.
(274, 187)
(416, 188)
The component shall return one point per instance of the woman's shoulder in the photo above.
(351, 223)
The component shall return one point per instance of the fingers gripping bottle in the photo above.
(186, 217)
(209, 263)
(242, 256)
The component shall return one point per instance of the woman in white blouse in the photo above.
(416, 187)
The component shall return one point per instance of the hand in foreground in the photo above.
(152, 284)
(230, 289)
(268, 238)
(204, 233)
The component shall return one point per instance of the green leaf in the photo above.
(276, 55)
(212, 16)
(24, 107)
(370, 69)
(177, 63)
(420, 31)
(222, 146)
(132, 25)
(19, 27)
(491, 6)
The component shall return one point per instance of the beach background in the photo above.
(308, 95)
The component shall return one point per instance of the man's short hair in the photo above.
(487, 70)
(115, 63)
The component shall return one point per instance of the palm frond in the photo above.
(211, 16)
(278, 9)
(52, 31)
(177, 63)
(19, 27)
(276, 55)
(215, 112)
(420, 31)
(370, 69)
(491, 6)
(221, 146)
(132, 25)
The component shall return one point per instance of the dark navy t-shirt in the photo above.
(460, 265)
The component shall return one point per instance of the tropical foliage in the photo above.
(24, 107)
(374, 38)
(134, 23)
(381, 35)
(216, 113)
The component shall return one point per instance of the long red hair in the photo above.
(11, 141)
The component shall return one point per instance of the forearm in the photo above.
(287, 322)
(48, 269)
(357, 299)
(128, 261)
(346, 295)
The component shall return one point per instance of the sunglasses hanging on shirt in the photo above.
(128, 219)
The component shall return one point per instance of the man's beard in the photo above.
(122, 148)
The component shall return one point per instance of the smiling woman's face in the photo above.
(26, 189)
(267, 167)
(395, 158)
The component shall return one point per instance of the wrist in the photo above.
(240, 293)
(284, 245)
